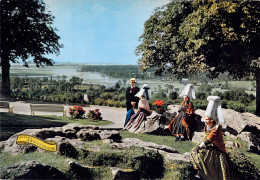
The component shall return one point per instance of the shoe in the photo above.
(182, 138)
(197, 176)
(177, 138)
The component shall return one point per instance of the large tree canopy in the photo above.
(26, 34)
(213, 36)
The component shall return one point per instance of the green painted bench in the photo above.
(6, 105)
(47, 108)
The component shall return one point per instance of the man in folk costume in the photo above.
(143, 109)
(209, 157)
(181, 125)
(131, 100)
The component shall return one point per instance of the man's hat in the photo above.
(132, 80)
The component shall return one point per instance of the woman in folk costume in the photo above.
(181, 125)
(143, 109)
(209, 157)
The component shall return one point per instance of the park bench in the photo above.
(47, 108)
(6, 104)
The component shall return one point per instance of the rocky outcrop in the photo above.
(67, 138)
(125, 174)
(170, 153)
(79, 171)
(198, 137)
(253, 141)
(31, 170)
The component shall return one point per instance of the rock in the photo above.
(176, 157)
(45, 133)
(154, 124)
(130, 142)
(187, 155)
(236, 122)
(253, 141)
(72, 127)
(77, 127)
(169, 153)
(114, 135)
(64, 147)
(173, 108)
(79, 170)
(31, 170)
(198, 122)
(88, 134)
(124, 174)
(232, 145)
(13, 148)
(198, 137)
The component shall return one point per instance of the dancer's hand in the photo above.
(195, 150)
(133, 104)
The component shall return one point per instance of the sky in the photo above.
(100, 31)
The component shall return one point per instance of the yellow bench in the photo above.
(47, 108)
(6, 104)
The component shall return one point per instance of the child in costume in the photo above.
(181, 125)
(209, 157)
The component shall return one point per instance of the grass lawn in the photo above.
(14, 123)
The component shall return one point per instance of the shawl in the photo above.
(144, 104)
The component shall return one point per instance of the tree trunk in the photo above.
(5, 89)
(258, 92)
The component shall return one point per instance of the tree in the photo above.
(26, 35)
(117, 85)
(208, 36)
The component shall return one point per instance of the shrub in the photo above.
(148, 163)
(94, 115)
(160, 95)
(200, 104)
(201, 95)
(159, 106)
(206, 88)
(173, 95)
(236, 106)
(242, 167)
(76, 112)
(250, 109)
(217, 93)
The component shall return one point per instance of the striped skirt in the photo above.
(211, 163)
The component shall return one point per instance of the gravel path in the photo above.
(116, 115)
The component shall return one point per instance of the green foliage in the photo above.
(148, 163)
(173, 95)
(160, 95)
(242, 167)
(76, 112)
(205, 88)
(200, 104)
(34, 37)
(94, 115)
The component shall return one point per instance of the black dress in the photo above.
(130, 97)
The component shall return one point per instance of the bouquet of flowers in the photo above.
(160, 106)
(94, 115)
(76, 112)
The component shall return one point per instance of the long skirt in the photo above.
(136, 120)
(179, 125)
(211, 163)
